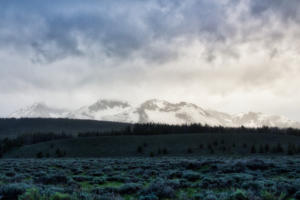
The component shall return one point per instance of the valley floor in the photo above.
(201, 177)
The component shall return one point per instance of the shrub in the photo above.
(32, 194)
(190, 175)
(13, 191)
(60, 196)
(297, 195)
(268, 196)
(129, 188)
(239, 195)
(148, 197)
(151, 154)
(53, 179)
(161, 189)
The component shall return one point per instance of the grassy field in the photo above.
(161, 145)
(214, 178)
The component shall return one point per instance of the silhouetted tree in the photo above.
(165, 151)
(189, 150)
(267, 148)
(140, 149)
(39, 155)
(253, 149)
(60, 153)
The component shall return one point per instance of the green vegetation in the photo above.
(165, 178)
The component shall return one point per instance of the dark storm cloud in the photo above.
(287, 10)
(54, 31)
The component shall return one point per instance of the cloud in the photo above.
(287, 10)
(118, 30)
(138, 49)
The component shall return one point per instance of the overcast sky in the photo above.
(230, 55)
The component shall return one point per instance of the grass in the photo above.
(159, 178)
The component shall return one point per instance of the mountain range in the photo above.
(156, 111)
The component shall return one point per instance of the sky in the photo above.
(229, 55)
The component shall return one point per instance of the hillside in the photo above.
(13, 127)
(174, 145)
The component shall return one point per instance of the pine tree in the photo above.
(253, 149)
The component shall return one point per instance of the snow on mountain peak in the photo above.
(107, 110)
(160, 111)
(157, 111)
(39, 110)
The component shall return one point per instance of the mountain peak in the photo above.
(157, 111)
(103, 104)
(38, 110)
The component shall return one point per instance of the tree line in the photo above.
(8, 144)
(165, 129)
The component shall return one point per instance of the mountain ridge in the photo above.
(156, 111)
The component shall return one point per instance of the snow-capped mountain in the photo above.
(174, 113)
(157, 111)
(252, 119)
(107, 110)
(39, 110)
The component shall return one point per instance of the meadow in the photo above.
(195, 178)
